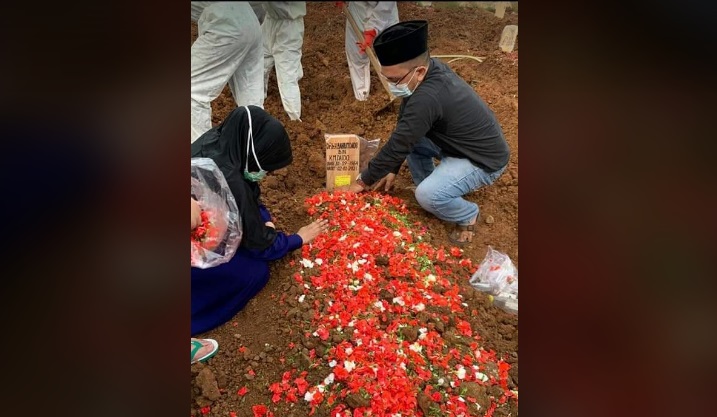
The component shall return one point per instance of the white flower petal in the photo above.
(481, 377)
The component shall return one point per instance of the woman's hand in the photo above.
(196, 214)
(309, 232)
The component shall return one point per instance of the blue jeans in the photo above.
(440, 189)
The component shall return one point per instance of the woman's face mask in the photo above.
(252, 176)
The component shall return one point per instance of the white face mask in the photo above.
(252, 176)
(402, 90)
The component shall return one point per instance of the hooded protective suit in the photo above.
(283, 34)
(368, 15)
(258, 7)
(227, 50)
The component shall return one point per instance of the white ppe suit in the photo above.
(258, 7)
(283, 36)
(227, 50)
(368, 15)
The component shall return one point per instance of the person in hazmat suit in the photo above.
(228, 49)
(283, 36)
(258, 7)
(372, 17)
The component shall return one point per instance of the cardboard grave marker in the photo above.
(500, 9)
(342, 160)
(507, 39)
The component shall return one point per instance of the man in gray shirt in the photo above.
(442, 117)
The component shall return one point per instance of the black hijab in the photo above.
(226, 144)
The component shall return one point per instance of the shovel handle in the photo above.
(369, 51)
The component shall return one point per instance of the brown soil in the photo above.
(257, 339)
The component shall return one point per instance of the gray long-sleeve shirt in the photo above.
(448, 111)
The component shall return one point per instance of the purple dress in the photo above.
(219, 293)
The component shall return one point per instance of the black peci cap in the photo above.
(401, 42)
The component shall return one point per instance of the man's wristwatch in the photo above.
(360, 182)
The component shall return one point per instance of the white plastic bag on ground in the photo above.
(498, 276)
(216, 242)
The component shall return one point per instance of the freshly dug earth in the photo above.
(252, 344)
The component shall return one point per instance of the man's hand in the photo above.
(386, 183)
(196, 214)
(368, 37)
(353, 188)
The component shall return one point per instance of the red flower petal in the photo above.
(259, 410)
(301, 385)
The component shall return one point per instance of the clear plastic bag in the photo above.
(367, 151)
(219, 236)
(498, 276)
